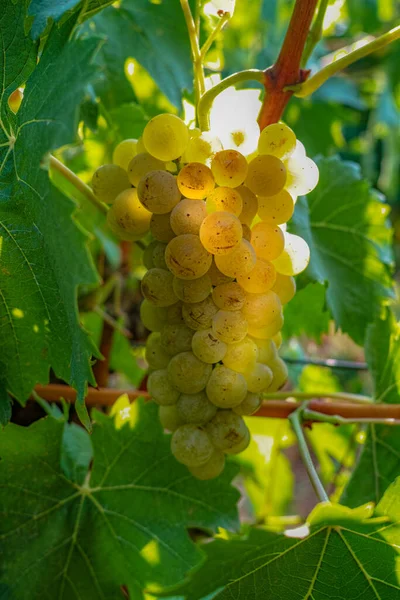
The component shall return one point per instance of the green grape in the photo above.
(260, 279)
(160, 227)
(158, 192)
(130, 214)
(226, 430)
(207, 347)
(186, 257)
(277, 139)
(159, 256)
(267, 351)
(276, 209)
(196, 408)
(240, 261)
(154, 354)
(229, 168)
(295, 256)
(169, 417)
(250, 205)
(108, 181)
(241, 356)
(259, 378)
(284, 287)
(157, 287)
(266, 175)
(267, 240)
(147, 257)
(224, 198)
(220, 232)
(261, 309)
(266, 331)
(229, 326)
(161, 389)
(199, 315)
(141, 164)
(192, 290)
(174, 314)
(119, 231)
(188, 373)
(249, 406)
(226, 388)
(166, 137)
(202, 147)
(195, 181)
(211, 469)
(303, 175)
(124, 152)
(187, 216)
(217, 278)
(152, 317)
(176, 338)
(241, 446)
(191, 445)
(280, 374)
(229, 296)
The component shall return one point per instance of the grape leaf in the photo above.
(155, 35)
(379, 462)
(345, 224)
(125, 524)
(340, 553)
(301, 310)
(43, 253)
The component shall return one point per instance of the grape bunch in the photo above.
(220, 267)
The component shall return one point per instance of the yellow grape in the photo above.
(277, 139)
(207, 347)
(277, 339)
(108, 181)
(280, 374)
(295, 256)
(240, 261)
(159, 256)
(259, 378)
(211, 469)
(276, 209)
(241, 446)
(124, 152)
(202, 147)
(284, 287)
(169, 417)
(227, 430)
(188, 373)
(195, 181)
(261, 309)
(187, 216)
(166, 137)
(191, 445)
(229, 168)
(267, 351)
(220, 232)
(147, 257)
(229, 296)
(119, 231)
(246, 232)
(226, 388)
(250, 205)
(229, 326)
(267, 240)
(155, 355)
(161, 389)
(266, 332)
(199, 315)
(250, 405)
(192, 290)
(196, 408)
(141, 164)
(216, 276)
(152, 317)
(241, 356)
(160, 227)
(225, 198)
(157, 287)
(174, 314)
(266, 175)
(140, 148)
(260, 279)
(158, 192)
(303, 175)
(186, 257)
(176, 338)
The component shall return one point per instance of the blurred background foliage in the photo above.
(144, 69)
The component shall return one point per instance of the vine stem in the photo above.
(77, 183)
(353, 54)
(199, 83)
(344, 396)
(208, 98)
(315, 33)
(296, 420)
(286, 71)
(207, 44)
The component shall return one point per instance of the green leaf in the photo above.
(43, 253)
(379, 463)
(301, 310)
(345, 224)
(76, 453)
(124, 525)
(338, 553)
(155, 35)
